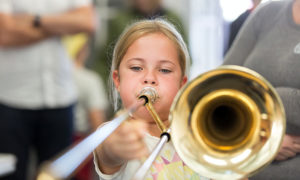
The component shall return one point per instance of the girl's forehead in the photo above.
(153, 40)
(154, 34)
(153, 46)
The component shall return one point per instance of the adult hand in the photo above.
(296, 141)
(289, 148)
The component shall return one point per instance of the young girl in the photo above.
(149, 53)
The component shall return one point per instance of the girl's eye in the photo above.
(165, 70)
(136, 68)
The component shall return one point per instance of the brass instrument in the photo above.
(227, 123)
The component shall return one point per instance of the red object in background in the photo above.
(86, 171)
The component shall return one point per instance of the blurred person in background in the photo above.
(37, 92)
(269, 43)
(236, 25)
(92, 99)
(137, 10)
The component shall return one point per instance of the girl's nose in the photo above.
(149, 82)
(150, 79)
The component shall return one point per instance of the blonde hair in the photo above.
(138, 30)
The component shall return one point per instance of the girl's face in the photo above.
(151, 61)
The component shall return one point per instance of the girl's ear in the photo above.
(116, 79)
(183, 81)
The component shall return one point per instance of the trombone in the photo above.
(227, 123)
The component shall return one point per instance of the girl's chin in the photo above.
(145, 116)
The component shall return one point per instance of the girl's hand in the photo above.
(289, 148)
(125, 143)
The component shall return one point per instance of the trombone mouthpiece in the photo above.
(149, 94)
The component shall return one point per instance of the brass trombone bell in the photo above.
(227, 123)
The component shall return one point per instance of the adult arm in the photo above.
(81, 19)
(18, 30)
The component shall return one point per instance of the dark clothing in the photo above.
(48, 130)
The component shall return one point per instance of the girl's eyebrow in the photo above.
(163, 61)
(136, 59)
(166, 62)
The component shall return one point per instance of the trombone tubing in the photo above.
(65, 165)
(155, 116)
(140, 174)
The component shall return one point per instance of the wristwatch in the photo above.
(37, 21)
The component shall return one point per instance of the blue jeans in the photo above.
(49, 131)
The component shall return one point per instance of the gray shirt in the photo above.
(269, 43)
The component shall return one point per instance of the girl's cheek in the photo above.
(126, 102)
